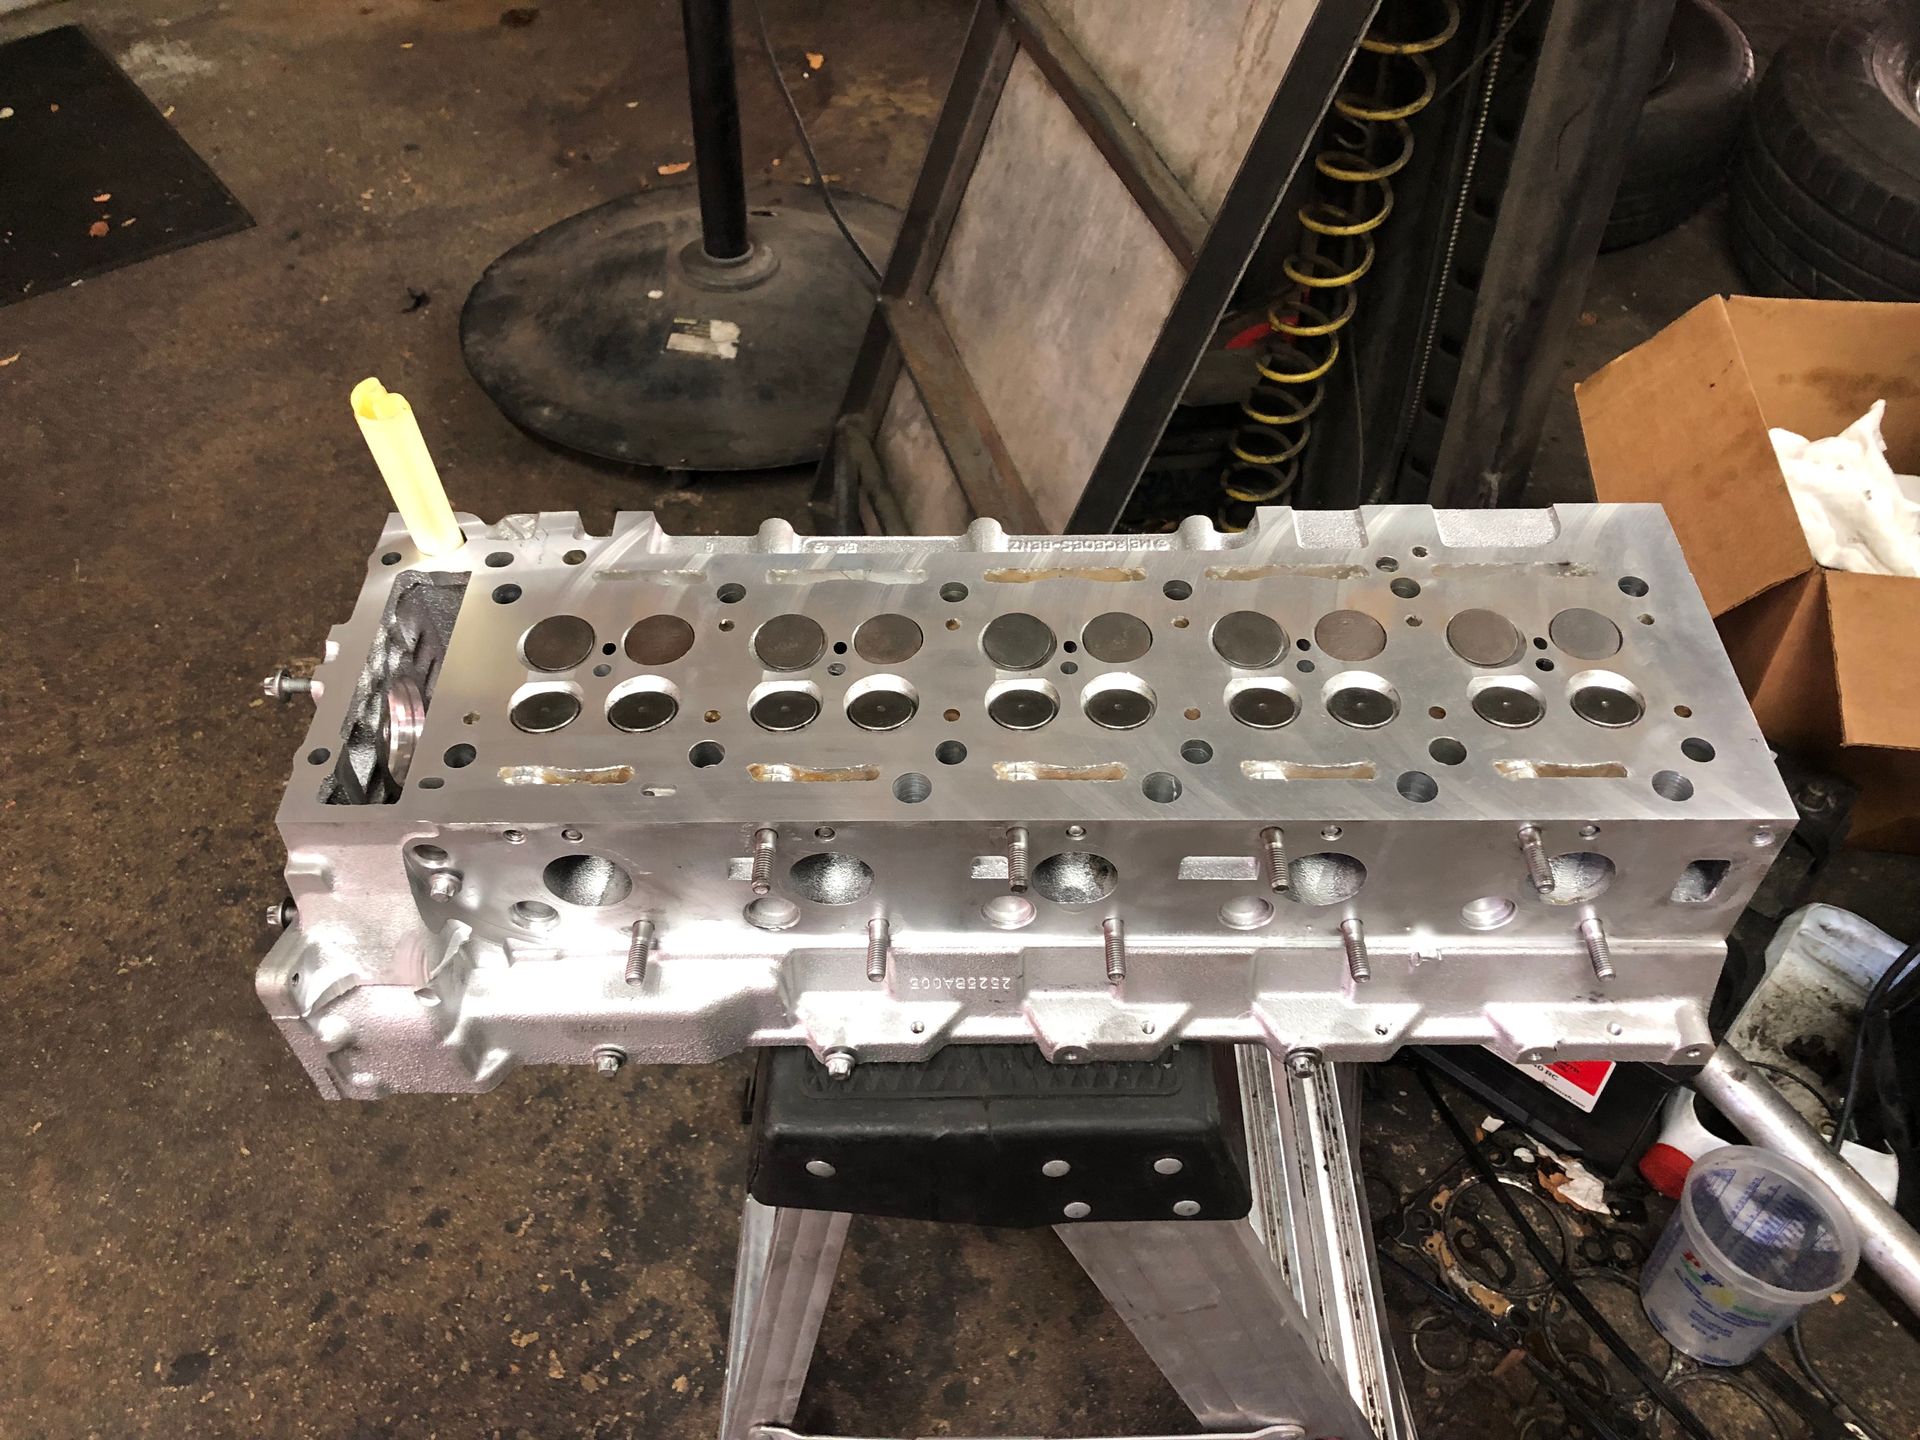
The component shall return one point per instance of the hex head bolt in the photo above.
(283, 685)
(444, 884)
(1538, 870)
(639, 950)
(763, 842)
(1593, 935)
(879, 941)
(1017, 859)
(1114, 936)
(1275, 841)
(607, 1059)
(1353, 939)
(839, 1063)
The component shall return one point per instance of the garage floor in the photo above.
(191, 1241)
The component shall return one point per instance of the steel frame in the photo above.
(905, 331)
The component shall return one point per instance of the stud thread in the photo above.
(879, 942)
(1353, 939)
(1114, 936)
(1017, 859)
(639, 950)
(763, 842)
(1538, 869)
(1275, 840)
(1593, 935)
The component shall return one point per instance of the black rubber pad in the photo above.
(81, 130)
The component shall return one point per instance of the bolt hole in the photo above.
(730, 593)
(1386, 562)
(1419, 552)
(1305, 667)
(949, 752)
(1543, 663)
(953, 592)
(1632, 585)
(706, 753)
(1406, 589)
(1067, 667)
(571, 835)
(608, 648)
(724, 626)
(505, 594)
(1539, 642)
(912, 787)
(318, 756)
(1177, 590)
(1417, 786)
(1694, 748)
(574, 557)
(458, 757)
(1644, 619)
(392, 557)
(500, 558)
(1447, 750)
(432, 782)
(430, 854)
(1161, 788)
(602, 671)
(836, 668)
(1070, 647)
(1196, 752)
(1672, 785)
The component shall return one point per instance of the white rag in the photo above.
(1857, 514)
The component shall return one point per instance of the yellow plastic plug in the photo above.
(400, 450)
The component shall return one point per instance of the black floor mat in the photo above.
(92, 177)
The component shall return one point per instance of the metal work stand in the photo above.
(657, 331)
(1269, 1327)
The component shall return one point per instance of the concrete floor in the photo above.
(191, 1241)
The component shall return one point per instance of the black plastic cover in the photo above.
(968, 1135)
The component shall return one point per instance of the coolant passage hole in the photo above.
(1075, 877)
(830, 878)
(1161, 788)
(588, 880)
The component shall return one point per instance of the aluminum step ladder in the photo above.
(1268, 1327)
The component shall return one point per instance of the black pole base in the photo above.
(613, 333)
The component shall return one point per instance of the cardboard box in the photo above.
(1831, 661)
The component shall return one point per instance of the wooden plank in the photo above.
(1101, 114)
(918, 472)
(1053, 288)
(1196, 77)
(987, 474)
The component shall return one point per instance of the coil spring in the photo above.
(1368, 140)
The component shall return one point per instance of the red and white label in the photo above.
(1578, 1082)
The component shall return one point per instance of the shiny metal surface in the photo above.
(1390, 773)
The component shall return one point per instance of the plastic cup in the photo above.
(1755, 1240)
